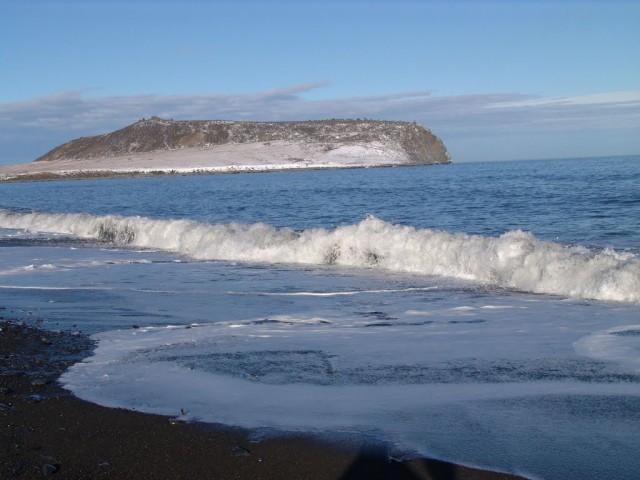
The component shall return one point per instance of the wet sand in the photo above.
(47, 432)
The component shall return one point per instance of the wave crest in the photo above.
(515, 260)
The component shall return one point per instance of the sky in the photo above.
(496, 80)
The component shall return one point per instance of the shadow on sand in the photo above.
(373, 467)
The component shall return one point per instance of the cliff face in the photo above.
(419, 145)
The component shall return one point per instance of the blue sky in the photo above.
(495, 80)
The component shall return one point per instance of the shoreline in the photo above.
(177, 172)
(150, 173)
(49, 432)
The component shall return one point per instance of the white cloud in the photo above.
(47, 121)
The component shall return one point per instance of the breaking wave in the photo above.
(515, 260)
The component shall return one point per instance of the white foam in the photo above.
(324, 349)
(516, 260)
(39, 287)
(619, 344)
(16, 270)
(335, 294)
(315, 375)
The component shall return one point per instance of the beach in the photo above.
(289, 325)
(49, 432)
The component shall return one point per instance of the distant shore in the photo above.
(49, 432)
(106, 174)
(167, 147)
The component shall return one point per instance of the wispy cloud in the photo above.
(57, 118)
(630, 99)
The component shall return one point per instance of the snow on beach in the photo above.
(240, 157)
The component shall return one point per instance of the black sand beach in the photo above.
(47, 432)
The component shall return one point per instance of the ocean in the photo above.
(485, 313)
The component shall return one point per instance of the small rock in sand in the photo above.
(240, 452)
(49, 469)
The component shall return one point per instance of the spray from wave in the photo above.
(516, 260)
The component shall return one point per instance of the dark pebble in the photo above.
(49, 469)
(240, 452)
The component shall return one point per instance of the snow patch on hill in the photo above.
(245, 157)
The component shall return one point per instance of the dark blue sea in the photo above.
(484, 313)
